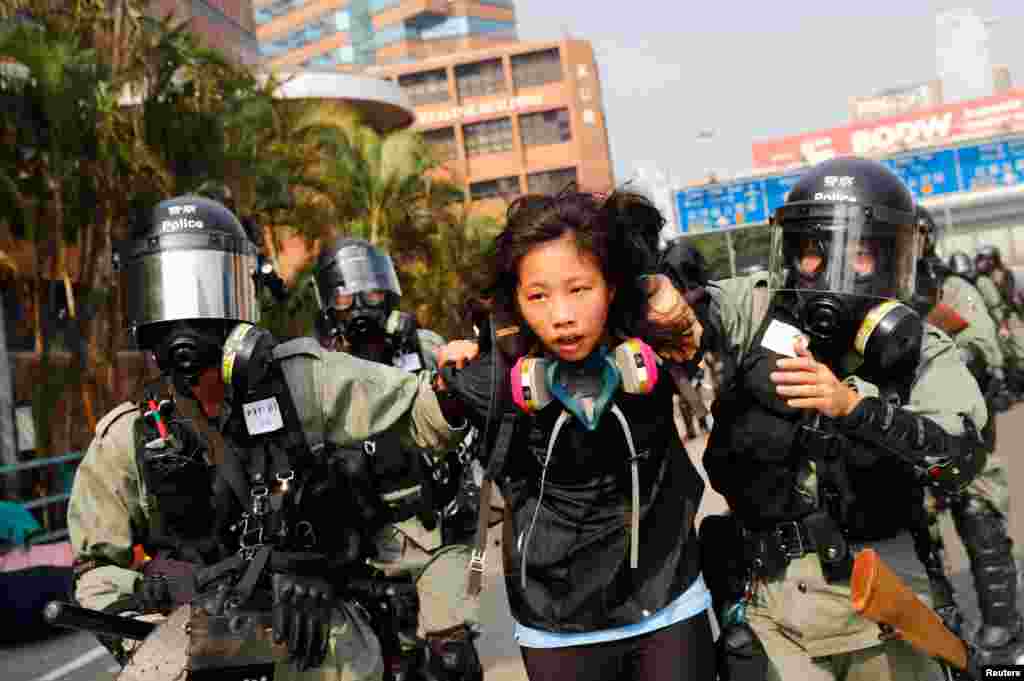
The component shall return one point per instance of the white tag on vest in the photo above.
(780, 337)
(409, 361)
(262, 416)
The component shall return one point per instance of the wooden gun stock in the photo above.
(881, 596)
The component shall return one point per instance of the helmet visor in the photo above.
(190, 284)
(844, 249)
(342, 300)
(356, 270)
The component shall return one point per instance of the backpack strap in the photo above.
(762, 298)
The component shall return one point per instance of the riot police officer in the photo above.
(217, 490)
(996, 284)
(981, 510)
(962, 265)
(962, 313)
(359, 296)
(841, 397)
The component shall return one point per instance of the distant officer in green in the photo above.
(981, 511)
(971, 327)
(359, 295)
(995, 282)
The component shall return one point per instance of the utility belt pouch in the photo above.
(832, 547)
(769, 552)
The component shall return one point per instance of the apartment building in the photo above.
(227, 25)
(521, 117)
(353, 34)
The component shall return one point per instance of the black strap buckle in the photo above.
(789, 539)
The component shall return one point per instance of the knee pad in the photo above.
(981, 527)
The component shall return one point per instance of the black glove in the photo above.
(153, 594)
(302, 617)
(997, 391)
(471, 387)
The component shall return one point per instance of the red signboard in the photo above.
(947, 124)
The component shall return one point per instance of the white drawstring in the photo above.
(563, 418)
(634, 539)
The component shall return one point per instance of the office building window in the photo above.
(322, 27)
(480, 79)
(441, 143)
(428, 87)
(550, 181)
(536, 68)
(271, 11)
(502, 187)
(545, 127)
(488, 137)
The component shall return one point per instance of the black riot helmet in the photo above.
(187, 274)
(931, 274)
(961, 264)
(987, 259)
(357, 289)
(931, 232)
(844, 252)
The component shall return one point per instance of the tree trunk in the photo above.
(8, 439)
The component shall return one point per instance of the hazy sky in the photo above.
(749, 70)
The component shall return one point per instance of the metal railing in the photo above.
(43, 502)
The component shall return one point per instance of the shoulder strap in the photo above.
(113, 415)
(503, 416)
(762, 297)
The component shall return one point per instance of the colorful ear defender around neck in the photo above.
(638, 365)
(534, 378)
(529, 384)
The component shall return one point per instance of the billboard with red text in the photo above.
(942, 125)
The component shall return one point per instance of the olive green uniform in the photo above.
(1003, 313)
(341, 398)
(410, 548)
(807, 625)
(992, 484)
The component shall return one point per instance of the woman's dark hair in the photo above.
(620, 230)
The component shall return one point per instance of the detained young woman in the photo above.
(600, 555)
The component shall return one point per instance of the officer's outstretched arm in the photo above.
(937, 430)
(106, 502)
(361, 399)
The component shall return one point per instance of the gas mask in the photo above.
(368, 316)
(537, 381)
(846, 303)
(186, 349)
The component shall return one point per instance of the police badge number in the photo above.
(262, 416)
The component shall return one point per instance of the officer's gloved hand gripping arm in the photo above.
(874, 427)
(949, 461)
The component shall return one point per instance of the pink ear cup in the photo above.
(638, 366)
(529, 390)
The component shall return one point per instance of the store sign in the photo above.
(949, 124)
(896, 101)
(479, 109)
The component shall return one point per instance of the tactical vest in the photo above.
(274, 485)
(760, 457)
(408, 483)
